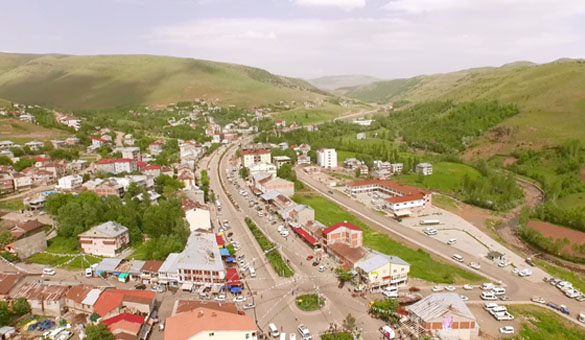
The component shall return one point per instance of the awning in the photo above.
(236, 290)
(403, 212)
(230, 259)
(187, 286)
(224, 252)
(231, 276)
(306, 236)
(123, 276)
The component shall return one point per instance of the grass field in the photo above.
(446, 177)
(12, 204)
(342, 155)
(309, 302)
(539, 323)
(303, 116)
(87, 82)
(577, 280)
(22, 132)
(572, 200)
(64, 252)
(422, 265)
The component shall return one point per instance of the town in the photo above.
(234, 236)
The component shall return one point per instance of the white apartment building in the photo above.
(327, 158)
(69, 182)
(251, 157)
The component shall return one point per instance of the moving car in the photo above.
(88, 272)
(452, 241)
(467, 287)
(457, 258)
(49, 271)
(304, 332)
(430, 231)
(274, 332)
(475, 265)
(249, 306)
(140, 286)
(507, 330)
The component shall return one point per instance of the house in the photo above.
(69, 182)
(72, 140)
(404, 200)
(27, 118)
(281, 160)
(57, 168)
(327, 158)
(116, 166)
(396, 168)
(105, 165)
(283, 146)
(6, 144)
(130, 152)
(363, 122)
(29, 239)
(194, 193)
(303, 160)
(279, 124)
(106, 239)
(301, 214)
(444, 315)
(187, 178)
(378, 270)
(198, 219)
(21, 181)
(205, 323)
(57, 143)
(112, 302)
(7, 282)
(304, 148)
(275, 183)
(152, 170)
(34, 145)
(6, 183)
(182, 306)
(251, 157)
(98, 142)
(82, 298)
(43, 299)
(165, 170)
(199, 263)
(108, 189)
(345, 232)
(424, 168)
(149, 271)
(42, 177)
(262, 168)
(125, 326)
(156, 147)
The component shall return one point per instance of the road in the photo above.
(517, 288)
(273, 295)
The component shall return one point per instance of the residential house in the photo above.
(194, 193)
(275, 183)
(255, 156)
(44, 299)
(110, 188)
(378, 270)
(29, 239)
(69, 182)
(152, 170)
(283, 146)
(98, 142)
(125, 326)
(112, 302)
(396, 168)
(262, 168)
(34, 145)
(7, 282)
(27, 118)
(445, 316)
(72, 140)
(327, 158)
(82, 298)
(58, 143)
(281, 160)
(345, 232)
(42, 177)
(303, 160)
(304, 148)
(106, 239)
(187, 178)
(150, 270)
(156, 147)
(6, 183)
(425, 169)
(279, 124)
(116, 166)
(203, 323)
(22, 182)
(6, 144)
(130, 152)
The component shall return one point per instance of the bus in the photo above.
(429, 222)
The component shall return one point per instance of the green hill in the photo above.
(87, 82)
(331, 83)
(551, 99)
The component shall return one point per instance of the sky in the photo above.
(305, 38)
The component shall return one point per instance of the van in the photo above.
(457, 257)
(498, 309)
(252, 272)
(273, 330)
(390, 292)
(581, 317)
(488, 296)
(282, 336)
(490, 305)
(499, 291)
(451, 241)
(487, 286)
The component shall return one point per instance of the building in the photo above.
(152, 170)
(199, 263)
(7, 282)
(303, 160)
(281, 160)
(156, 147)
(361, 136)
(109, 188)
(262, 168)
(363, 122)
(424, 168)
(106, 239)
(112, 302)
(116, 166)
(327, 158)
(6, 144)
(396, 168)
(125, 326)
(130, 152)
(444, 315)
(206, 323)
(268, 183)
(345, 232)
(69, 182)
(82, 298)
(43, 299)
(301, 214)
(97, 143)
(378, 270)
(149, 271)
(404, 200)
(29, 239)
(255, 156)
(194, 193)
(279, 124)
(22, 181)
(34, 145)
(198, 219)
(72, 140)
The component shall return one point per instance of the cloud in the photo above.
(346, 5)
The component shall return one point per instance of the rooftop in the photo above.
(200, 253)
(112, 299)
(8, 281)
(375, 260)
(185, 325)
(436, 305)
(108, 229)
(35, 291)
(188, 305)
(339, 225)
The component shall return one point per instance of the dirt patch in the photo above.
(559, 232)
(510, 160)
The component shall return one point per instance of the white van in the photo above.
(273, 330)
(498, 309)
(490, 305)
(457, 257)
(252, 272)
(88, 272)
(282, 336)
(390, 292)
(487, 286)
(488, 296)
(499, 291)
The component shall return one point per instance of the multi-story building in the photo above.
(116, 166)
(346, 233)
(255, 156)
(43, 299)
(156, 147)
(109, 189)
(130, 152)
(378, 270)
(327, 158)
(206, 323)
(69, 182)
(424, 168)
(106, 239)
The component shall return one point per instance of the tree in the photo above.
(23, 163)
(244, 172)
(385, 309)
(98, 332)
(5, 160)
(343, 275)
(231, 249)
(358, 172)
(20, 306)
(6, 237)
(4, 314)
(349, 323)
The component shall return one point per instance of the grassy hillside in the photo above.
(331, 83)
(549, 96)
(86, 82)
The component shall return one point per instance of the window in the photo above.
(211, 334)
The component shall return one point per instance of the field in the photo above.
(541, 324)
(64, 252)
(558, 232)
(303, 116)
(446, 177)
(89, 82)
(422, 265)
(12, 204)
(342, 155)
(572, 200)
(22, 132)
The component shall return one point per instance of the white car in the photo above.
(321, 269)
(49, 271)
(239, 298)
(507, 330)
(475, 265)
(464, 298)
(220, 298)
(467, 287)
(284, 233)
(249, 306)
(450, 288)
(437, 289)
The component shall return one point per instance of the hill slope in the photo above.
(550, 97)
(331, 83)
(84, 82)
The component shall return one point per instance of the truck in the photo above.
(304, 332)
(429, 222)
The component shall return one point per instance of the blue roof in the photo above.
(224, 252)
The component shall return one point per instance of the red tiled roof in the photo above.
(310, 239)
(152, 167)
(43, 159)
(124, 316)
(124, 160)
(140, 164)
(158, 142)
(111, 299)
(219, 239)
(186, 325)
(407, 198)
(338, 225)
(105, 161)
(152, 266)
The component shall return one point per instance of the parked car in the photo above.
(239, 298)
(464, 298)
(140, 286)
(507, 330)
(315, 264)
(467, 287)
(538, 300)
(249, 306)
(220, 298)
(321, 269)
(49, 271)
(450, 288)
(437, 289)
(530, 262)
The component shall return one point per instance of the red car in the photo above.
(309, 258)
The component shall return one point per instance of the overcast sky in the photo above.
(305, 38)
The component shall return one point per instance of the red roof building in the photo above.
(346, 233)
(112, 301)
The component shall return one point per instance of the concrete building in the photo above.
(261, 168)
(82, 298)
(269, 183)
(281, 160)
(198, 219)
(156, 147)
(130, 152)
(69, 182)
(346, 233)
(112, 302)
(106, 239)
(255, 156)
(445, 316)
(43, 299)
(205, 323)
(424, 168)
(378, 270)
(109, 188)
(327, 158)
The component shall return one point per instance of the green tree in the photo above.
(5, 160)
(349, 323)
(98, 332)
(23, 163)
(358, 172)
(4, 313)
(385, 309)
(343, 275)
(6, 237)
(231, 249)
(244, 172)
(20, 306)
